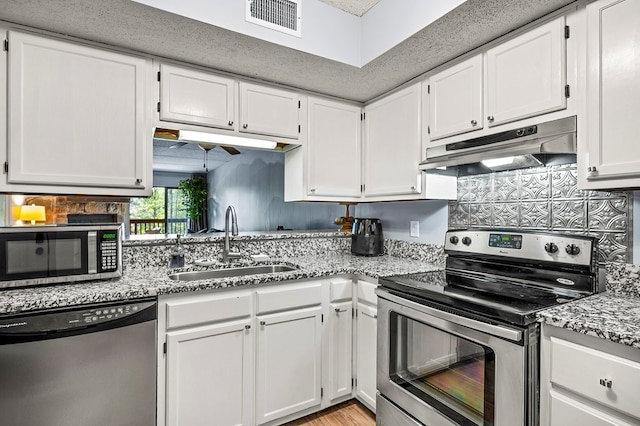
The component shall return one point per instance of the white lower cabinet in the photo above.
(366, 343)
(587, 381)
(209, 374)
(288, 363)
(339, 341)
(265, 356)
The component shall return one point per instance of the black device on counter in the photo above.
(41, 255)
(367, 238)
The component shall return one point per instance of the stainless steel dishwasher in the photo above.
(95, 365)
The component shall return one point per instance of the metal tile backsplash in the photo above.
(546, 198)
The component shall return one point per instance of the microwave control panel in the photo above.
(108, 250)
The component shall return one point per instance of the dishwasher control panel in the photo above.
(67, 320)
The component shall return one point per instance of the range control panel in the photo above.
(108, 243)
(544, 246)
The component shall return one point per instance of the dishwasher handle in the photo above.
(61, 323)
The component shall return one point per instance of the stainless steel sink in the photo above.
(230, 272)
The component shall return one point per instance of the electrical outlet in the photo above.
(415, 228)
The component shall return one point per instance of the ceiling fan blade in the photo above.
(178, 144)
(231, 150)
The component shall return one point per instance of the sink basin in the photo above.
(230, 272)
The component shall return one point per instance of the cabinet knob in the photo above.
(607, 383)
(338, 310)
(413, 188)
(138, 181)
(491, 118)
(375, 316)
(474, 122)
(263, 323)
(230, 123)
(312, 190)
(247, 327)
(245, 125)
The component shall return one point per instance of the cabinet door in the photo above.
(526, 76)
(76, 115)
(613, 94)
(340, 349)
(269, 111)
(196, 97)
(366, 329)
(392, 145)
(209, 375)
(334, 154)
(455, 99)
(288, 360)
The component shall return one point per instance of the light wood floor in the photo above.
(350, 413)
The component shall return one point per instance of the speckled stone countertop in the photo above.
(613, 315)
(150, 282)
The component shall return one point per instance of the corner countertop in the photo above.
(141, 283)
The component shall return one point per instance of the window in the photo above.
(162, 213)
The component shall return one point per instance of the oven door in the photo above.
(445, 369)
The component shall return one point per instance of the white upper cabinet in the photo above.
(455, 99)
(269, 111)
(392, 147)
(609, 154)
(76, 119)
(526, 75)
(333, 148)
(196, 97)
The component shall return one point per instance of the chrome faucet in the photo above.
(227, 254)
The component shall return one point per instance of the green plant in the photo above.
(194, 191)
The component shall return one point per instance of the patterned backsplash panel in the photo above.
(546, 198)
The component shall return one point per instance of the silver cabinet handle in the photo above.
(491, 118)
(230, 123)
(474, 122)
(338, 310)
(607, 383)
(244, 126)
(247, 327)
(263, 323)
(413, 188)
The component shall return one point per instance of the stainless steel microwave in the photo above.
(40, 255)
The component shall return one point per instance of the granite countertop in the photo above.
(151, 282)
(613, 315)
(605, 315)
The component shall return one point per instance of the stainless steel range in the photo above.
(460, 346)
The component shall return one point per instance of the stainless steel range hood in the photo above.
(551, 142)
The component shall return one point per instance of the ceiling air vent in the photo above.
(279, 15)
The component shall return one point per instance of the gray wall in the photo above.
(253, 183)
(396, 217)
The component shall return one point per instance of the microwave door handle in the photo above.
(92, 252)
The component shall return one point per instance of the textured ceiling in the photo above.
(354, 7)
(131, 25)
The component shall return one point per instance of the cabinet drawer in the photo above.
(582, 370)
(288, 297)
(340, 289)
(566, 411)
(367, 293)
(204, 309)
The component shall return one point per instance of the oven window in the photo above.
(452, 374)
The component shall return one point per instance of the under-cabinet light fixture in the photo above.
(217, 139)
(497, 162)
